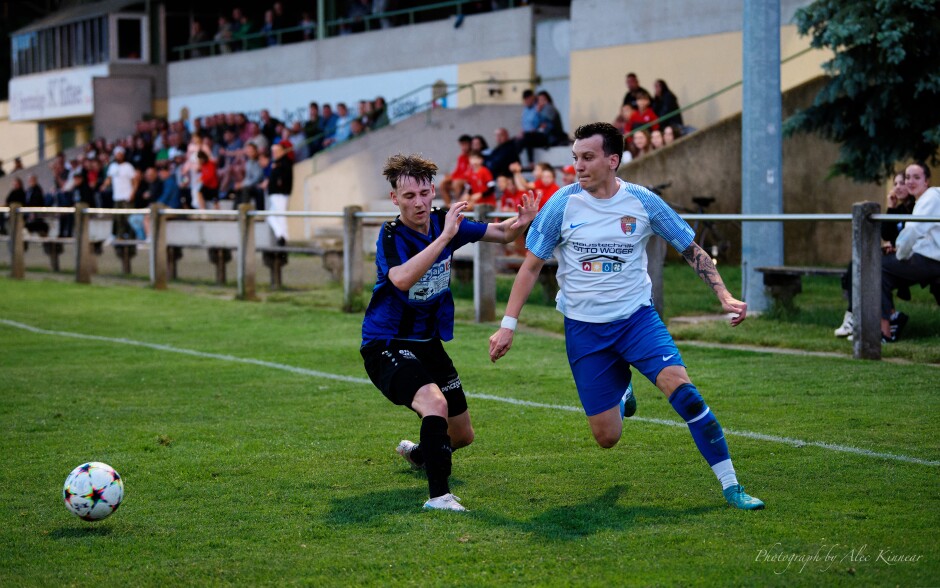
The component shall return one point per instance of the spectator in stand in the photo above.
(509, 196)
(312, 129)
(122, 179)
(501, 156)
(550, 120)
(170, 195)
(329, 121)
(278, 17)
(479, 145)
(147, 193)
(343, 125)
(569, 175)
(380, 7)
(481, 188)
(244, 27)
(256, 138)
(656, 140)
(141, 156)
(208, 193)
(223, 36)
(452, 186)
(269, 126)
(249, 189)
(670, 134)
(81, 193)
(640, 145)
(917, 259)
(664, 102)
(33, 222)
(298, 139)
(644, 113)
(197, 35)
(280, 185)
(548, 186)
(543, 186)
(622, 122)
(357, 129)
(530, 123)
(268, 28)
(358, 11)
(379, 113)
(633, 88)
(309, 27)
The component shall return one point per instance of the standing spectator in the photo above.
(313, 129)
(358, 11)
(452, 186)
(256, 138)
(80, 193)
(284, 141)
(280, 185)
(170, 195)
(309, 27)
(298, 139)
(223, 37)
(208, 182)
(664, 102)
(122, 179)
(268, 28)
(633, 87)
(196, 36)
(269, 126)
(147, 193)
(33, 222)
(917, 260)
(249, 188)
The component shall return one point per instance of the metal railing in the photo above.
(866, 252)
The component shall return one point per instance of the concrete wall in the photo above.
(708, 163)
(697, 53)
(16, 138)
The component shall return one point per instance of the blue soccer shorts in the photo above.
(601, 354)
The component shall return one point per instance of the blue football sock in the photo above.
(706, 432)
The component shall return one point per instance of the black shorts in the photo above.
(400, 368)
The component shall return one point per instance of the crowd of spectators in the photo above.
(649, 121)
(194, 164)
(291, 22)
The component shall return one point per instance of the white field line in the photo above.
(318, 374)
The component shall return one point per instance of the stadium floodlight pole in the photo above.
(761, 148)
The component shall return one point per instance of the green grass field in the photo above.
(254, 452)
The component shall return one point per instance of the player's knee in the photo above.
(607, 439)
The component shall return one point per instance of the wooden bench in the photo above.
(784, 282)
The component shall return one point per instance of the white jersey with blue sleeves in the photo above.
(600, 246)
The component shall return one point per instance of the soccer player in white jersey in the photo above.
(597, 229)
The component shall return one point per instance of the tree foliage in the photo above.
(882, 99)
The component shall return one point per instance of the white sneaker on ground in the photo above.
(404, 449)
(848, 324)
(445, 502)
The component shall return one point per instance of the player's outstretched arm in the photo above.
(702, 263)
(406, 275)
(511, 229)
(528, 274)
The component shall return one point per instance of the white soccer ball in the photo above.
(93, 491)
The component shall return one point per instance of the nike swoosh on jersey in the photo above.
(575, 226)
(668, 357)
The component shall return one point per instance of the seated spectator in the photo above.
(550, 120)
(308, 27)
(499, 157)
(481, 188)
(249, 189)
(622, 122)
(330, 121)
(542, 186)
(379, 113)
(509, 197)
(640, 145)
(170, 195)
(900, 201)
(297, 138)
(656, 140)
(569, 175)
(643, 114)
(197, 35)
(633, 88)
(33, 222)
(670, 134)
(452, 186)
(479, 145)
(343, 128)
(664, 102)
(313, 129)
(917, 260)
(358, 11)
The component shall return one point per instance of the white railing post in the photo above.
(353, 258)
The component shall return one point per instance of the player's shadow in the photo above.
(79, 532)
(573, 522)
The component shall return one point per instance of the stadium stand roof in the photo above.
(77, 13)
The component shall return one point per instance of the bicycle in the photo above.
(707, 235)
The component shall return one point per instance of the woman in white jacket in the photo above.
(917, 260)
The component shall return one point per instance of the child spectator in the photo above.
(452, 186)
(643, 114)
(480, 184)
(209, 182)
(670, 134)
(641, 144)
(656, 140)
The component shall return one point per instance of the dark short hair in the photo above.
(924, 167)
(527, 94)
(314, 105)
(612, 137)
(464, 139)
(412, 166)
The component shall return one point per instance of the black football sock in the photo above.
(435, 445)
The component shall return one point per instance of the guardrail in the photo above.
(866, 253)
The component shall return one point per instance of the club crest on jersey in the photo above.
(628, 224)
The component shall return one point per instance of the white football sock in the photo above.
(725, 472)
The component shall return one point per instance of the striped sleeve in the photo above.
(664, 221)
(545, 230)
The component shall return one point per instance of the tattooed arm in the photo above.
(702, 263)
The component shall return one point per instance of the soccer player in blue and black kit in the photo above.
(412, 312)
(597, 229)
